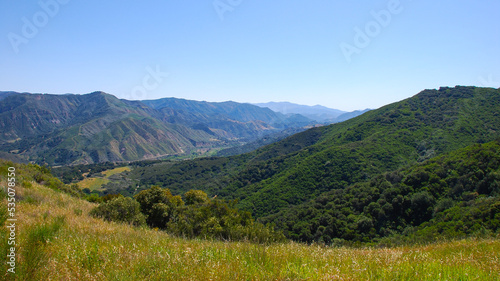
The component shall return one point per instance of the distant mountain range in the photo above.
(318, 113)
(98, 127)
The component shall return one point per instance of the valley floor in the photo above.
(57, 240)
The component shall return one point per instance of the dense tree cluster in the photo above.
(120, 209)
(453, 195)
(196, 215)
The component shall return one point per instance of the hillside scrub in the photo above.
(455, 195)
(198, 216)
(120, 209)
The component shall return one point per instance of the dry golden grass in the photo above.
(115, 171)
(95, 183)
(86, 248)
(92, 183)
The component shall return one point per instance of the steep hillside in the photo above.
(266, 140)
(227, 116)
(235, 111)
(303, 166)
(431, 123)
(453, 195)
(349, 115)
(87, 128)
(4, 94)
(98, 127)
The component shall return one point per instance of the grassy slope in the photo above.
(85, 248)
(95, 183)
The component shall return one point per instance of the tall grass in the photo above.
(4, 234)
(33, 252)
(80, 247)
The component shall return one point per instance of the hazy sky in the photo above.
(341, 54)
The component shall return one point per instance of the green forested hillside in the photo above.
(305, 165)
(428, 124)
(449, 196)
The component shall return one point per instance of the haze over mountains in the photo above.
(98, 127)
(317, 112)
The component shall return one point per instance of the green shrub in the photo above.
(201, 217)
(109, 197)
(195, 197)
(26, 184)
(120, 209)
(94, 198)
(156, 203)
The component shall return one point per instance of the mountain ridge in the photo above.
(302, 166)
(319, 113)
(98, 127)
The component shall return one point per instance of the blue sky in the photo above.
(341, 54)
